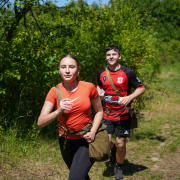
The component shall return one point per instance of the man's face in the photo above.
(112, 57)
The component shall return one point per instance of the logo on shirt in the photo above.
(126, 132)
(120, 80)
(104, 79)
(75, 99)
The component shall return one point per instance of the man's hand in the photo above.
(125, 100)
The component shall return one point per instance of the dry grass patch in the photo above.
(32, 170)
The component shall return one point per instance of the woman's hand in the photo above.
(89, 136)
(65, 106)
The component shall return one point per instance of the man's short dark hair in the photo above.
(113, 47)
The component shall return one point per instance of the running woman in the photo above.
(77, 97)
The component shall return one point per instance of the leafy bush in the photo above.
(170, 52)
(29, 62)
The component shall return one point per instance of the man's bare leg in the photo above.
(121, 149)
(120, 156)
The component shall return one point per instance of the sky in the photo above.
(60, 3)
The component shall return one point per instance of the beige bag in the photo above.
(99, 149)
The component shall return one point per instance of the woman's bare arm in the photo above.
(47, 116)
(97, 119)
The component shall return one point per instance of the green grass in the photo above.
(172, 77)
(152, 150)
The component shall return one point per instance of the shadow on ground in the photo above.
(128, 169)
(145, 135)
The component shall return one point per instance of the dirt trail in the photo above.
(169, 166)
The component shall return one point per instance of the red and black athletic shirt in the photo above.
(124, 79)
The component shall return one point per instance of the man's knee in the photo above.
(120, 143)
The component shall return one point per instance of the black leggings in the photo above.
(76, 157)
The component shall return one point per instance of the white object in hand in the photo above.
(101, 92)
(120, 98)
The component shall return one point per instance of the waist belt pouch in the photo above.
(134, 121)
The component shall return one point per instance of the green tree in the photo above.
(165, 14)
(29, 61)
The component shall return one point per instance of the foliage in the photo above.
(165, 15)
(170, 52)
(29, 60)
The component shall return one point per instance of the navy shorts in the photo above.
(119, 128)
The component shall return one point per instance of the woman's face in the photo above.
(68, 69)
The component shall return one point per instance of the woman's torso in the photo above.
(80, 114)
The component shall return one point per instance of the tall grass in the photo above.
(158, 137)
